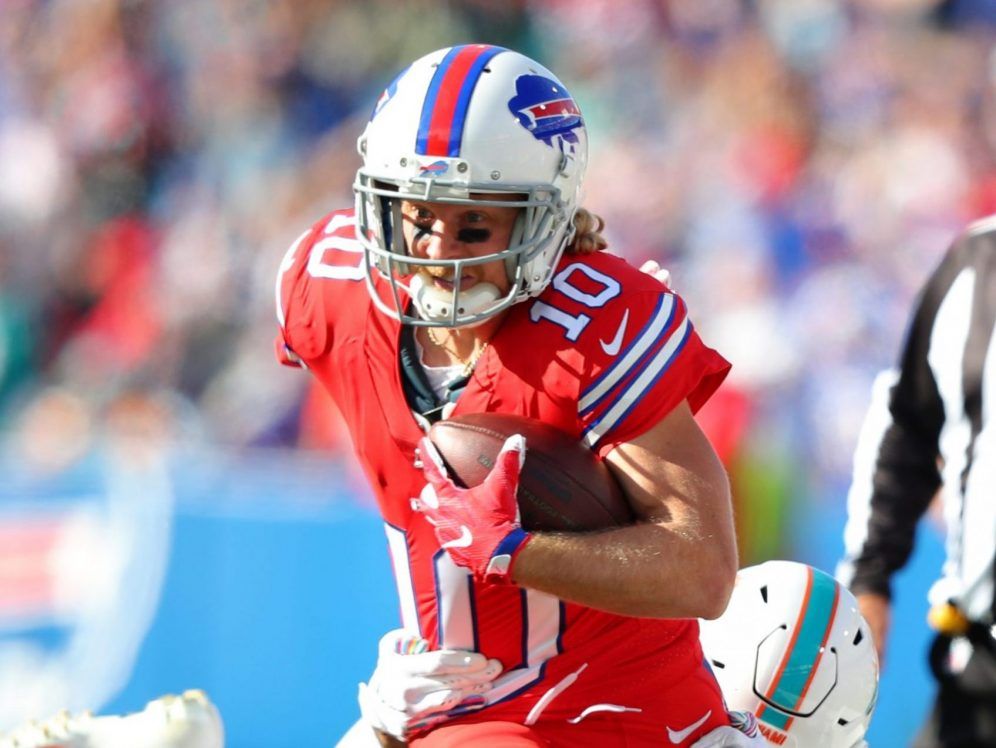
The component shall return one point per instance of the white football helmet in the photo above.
(458, 126)
(793, 649)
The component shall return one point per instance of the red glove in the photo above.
(479, 527)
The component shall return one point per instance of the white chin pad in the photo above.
(436, 304)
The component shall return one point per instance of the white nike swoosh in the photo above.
(678, 736)
(465, 539)
(612, 347)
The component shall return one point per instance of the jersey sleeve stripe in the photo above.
(286, 264)
(631, 395)
(644, 341)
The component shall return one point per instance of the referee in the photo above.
(931, 427)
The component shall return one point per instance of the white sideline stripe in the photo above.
(619, 371)
(639, 386)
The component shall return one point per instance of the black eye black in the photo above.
(473, 236)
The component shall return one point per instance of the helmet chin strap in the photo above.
(436, 305)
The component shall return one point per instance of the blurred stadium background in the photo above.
(177, 511)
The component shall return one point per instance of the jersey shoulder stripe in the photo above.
(631, 358)
(634, 389)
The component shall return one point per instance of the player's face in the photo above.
(452, 232)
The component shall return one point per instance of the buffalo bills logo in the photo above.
(435, 169)
(546, 109)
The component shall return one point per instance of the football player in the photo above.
(469, 279)
(792, 654)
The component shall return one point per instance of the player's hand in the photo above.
(652, 267)
(479, 527)
(411, 685)
(741, 733)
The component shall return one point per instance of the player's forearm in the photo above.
(678, 561)
(645, 570)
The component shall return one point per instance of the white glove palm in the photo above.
(411, 686)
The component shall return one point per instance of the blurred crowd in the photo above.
(799, 165)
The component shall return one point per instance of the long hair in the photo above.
(587, 233)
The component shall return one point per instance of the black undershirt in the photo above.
(418, 392)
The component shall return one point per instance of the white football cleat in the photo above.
(187, 721)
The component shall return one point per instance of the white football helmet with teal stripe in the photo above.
(793, 649)
(461, 126)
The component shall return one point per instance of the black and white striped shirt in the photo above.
(931, 426)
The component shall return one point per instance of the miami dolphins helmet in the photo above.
(793, 649)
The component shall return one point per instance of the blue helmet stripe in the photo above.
(463, 100)
(429, 105)
(444, 110)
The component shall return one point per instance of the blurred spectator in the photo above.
(797, 164)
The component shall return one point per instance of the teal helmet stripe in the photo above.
(800, 662)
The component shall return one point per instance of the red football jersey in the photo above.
(604, 353)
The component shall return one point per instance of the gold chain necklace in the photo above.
(468, 366)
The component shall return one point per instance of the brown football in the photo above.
(563, 485)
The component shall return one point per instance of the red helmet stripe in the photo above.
(444, 111)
